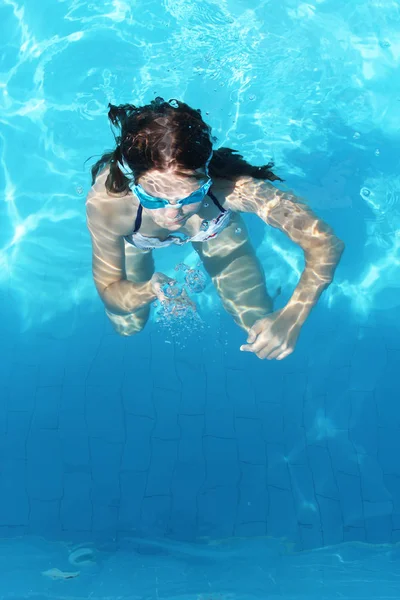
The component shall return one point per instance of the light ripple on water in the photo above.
(230, 569)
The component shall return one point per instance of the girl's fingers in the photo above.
(285, 354)
(254, 331)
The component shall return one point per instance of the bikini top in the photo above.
(208, 230)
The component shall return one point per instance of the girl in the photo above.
(163, 184)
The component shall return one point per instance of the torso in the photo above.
(123, 209)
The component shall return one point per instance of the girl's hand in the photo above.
(158, 281)
(274, 336)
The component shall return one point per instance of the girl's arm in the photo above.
(119, 295)
(284, 211)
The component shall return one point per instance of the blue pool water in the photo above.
(171, 465)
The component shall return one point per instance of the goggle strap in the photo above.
(124, 168)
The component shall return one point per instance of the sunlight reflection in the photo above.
(294, 121)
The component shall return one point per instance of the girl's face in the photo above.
(170, 186)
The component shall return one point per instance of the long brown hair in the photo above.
(161, 134)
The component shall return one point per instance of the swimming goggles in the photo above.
(152, 202)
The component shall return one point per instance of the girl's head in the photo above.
(163, 150)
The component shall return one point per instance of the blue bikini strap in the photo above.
(216, 202)
(138, 220)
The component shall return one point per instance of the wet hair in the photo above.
(164, 134)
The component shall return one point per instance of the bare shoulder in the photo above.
(225, 190)
(114, 210)
(244, 193)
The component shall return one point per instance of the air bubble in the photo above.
(377, 152)
(365, 192)
(252, 97)
(171, 291)
(181, 267)
(384, 44)
(195, 280)
(238, 230)
(357, 135)
(206, 204)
